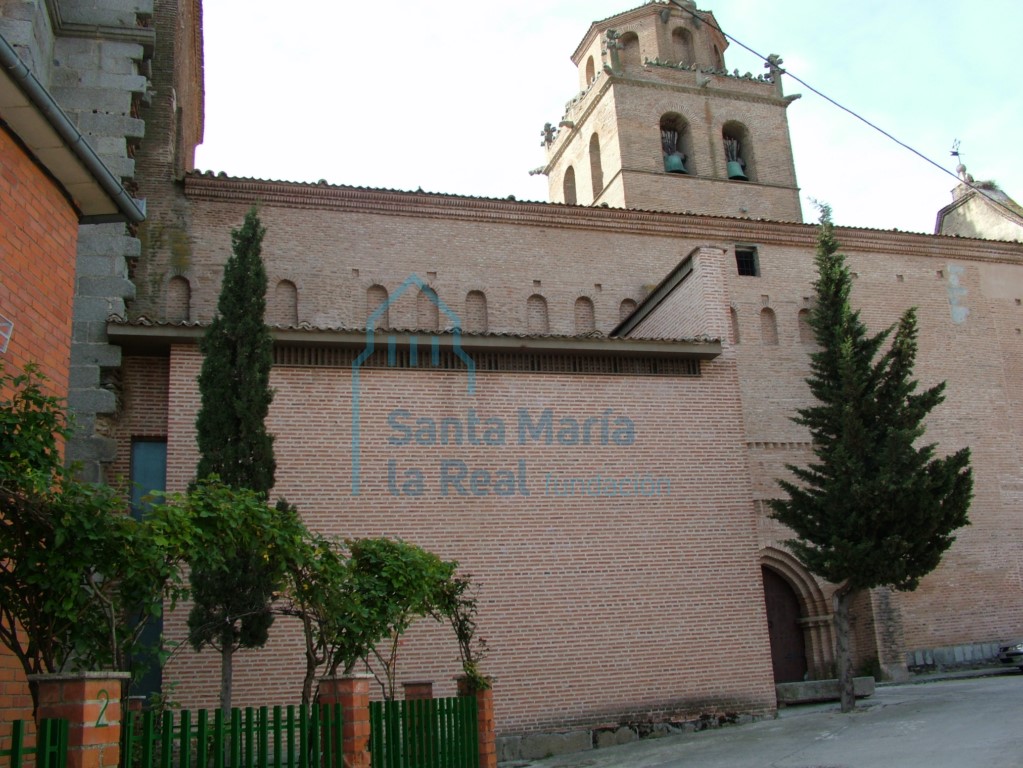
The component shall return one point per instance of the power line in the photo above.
(858, 116)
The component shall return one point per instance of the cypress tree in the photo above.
(232, 603)
(875, 507)
(235, 377)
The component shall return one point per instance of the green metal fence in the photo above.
(426, 733)
(278, 737)
(50, 750)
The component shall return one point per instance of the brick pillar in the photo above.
(418, 690)
(421, 752)
(91, 703)
(484, 721)
(352, 693)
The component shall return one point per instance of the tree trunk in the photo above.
(311, 661)
(226, 673)
(842, 598)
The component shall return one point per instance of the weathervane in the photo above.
(960, 166)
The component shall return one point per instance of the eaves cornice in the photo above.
(754, 98)
(935, 246)
(699, 227)
(156, 336)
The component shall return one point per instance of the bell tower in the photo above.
(660, 124)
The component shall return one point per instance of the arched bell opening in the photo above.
(476, 312)
(676, 144)
(537, 320)
(739, 160)
(585, 321)
(799, 620)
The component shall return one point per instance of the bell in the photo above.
(735, 171)
(673, 163)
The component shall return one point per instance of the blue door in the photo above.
(148, 479)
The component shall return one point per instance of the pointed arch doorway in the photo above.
(799, 619)
(788, 646)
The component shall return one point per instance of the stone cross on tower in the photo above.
(773, 64)
(611, 47)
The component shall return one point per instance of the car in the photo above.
(1011, 654)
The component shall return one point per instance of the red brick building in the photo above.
(585, 403)
(50, 181)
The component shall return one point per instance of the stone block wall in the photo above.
(25, 24)
(100, 82)
(94, 59)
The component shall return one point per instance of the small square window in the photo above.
(746, 260)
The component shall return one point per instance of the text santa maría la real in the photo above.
(456, 477)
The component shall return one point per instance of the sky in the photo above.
(451, 96)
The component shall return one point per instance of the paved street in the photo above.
(958, 723)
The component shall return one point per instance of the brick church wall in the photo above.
(967, 298)
(578, 585)
(333, 252)
(335, 244)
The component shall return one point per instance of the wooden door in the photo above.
(788, 648)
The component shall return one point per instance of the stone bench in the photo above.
(820, 690)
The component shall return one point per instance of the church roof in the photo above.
(189, 331)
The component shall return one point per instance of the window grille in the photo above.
(746, 261)
(507, 362)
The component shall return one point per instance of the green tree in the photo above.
(876, 507)
(79, 577)
(459, 603)
(396, 583)
(321, 594)
(232, 600)
(355, 606)
(242, 540)
(310, 599)
(234, 382)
